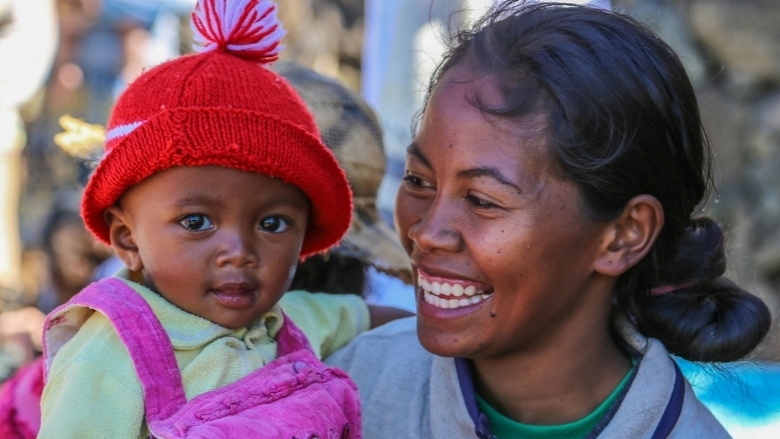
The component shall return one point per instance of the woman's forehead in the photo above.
(466, 89)
(455, 130)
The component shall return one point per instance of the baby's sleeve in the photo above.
(329, 321)
(84, 399)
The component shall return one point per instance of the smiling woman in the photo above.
(547, 210)
(478, 208)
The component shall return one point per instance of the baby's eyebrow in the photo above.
(198, 200)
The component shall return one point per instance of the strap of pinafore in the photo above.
(148, 344)
(144, 337)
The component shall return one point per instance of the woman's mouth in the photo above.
(451, 293)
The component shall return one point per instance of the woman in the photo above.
(548, 211)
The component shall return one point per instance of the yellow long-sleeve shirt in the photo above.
(93, 391)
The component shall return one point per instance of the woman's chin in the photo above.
(452, 332)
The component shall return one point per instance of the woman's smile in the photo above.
(448, 293)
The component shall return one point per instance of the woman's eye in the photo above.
(196, 222)
(274, 224)
(414, 181)
(479, 202)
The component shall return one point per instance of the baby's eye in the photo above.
(196, 222)
(274, 224)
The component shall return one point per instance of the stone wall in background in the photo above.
(732, 52)
(326, 35)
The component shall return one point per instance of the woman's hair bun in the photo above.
(705, 316)
(711, 320)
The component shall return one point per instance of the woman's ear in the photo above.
(630, 237)
(122, 240)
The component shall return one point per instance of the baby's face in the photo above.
(216, 242)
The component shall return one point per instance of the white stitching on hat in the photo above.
(122, 130)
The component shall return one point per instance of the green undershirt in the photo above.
(506, 428)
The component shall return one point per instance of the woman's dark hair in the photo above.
(623, 120)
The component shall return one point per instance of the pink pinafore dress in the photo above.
(292, 397)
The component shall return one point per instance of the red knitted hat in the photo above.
(222, 107)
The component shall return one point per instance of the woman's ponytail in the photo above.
(697, 313)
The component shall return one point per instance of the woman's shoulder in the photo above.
(660, 399)
(387, 353)
(696, 420)
(390, 343)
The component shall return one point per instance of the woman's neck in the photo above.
(561, 381)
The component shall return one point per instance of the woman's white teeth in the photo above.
(456, 294)
(457, 290)
(441, 302)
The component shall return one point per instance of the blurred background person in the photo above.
(370, 260)
(28, 39)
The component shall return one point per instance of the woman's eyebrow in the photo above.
(491, 173)
(414, 150)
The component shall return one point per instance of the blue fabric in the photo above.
(743, 396)
(466, 381)
(673, 408)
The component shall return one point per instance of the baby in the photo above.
(214, 184)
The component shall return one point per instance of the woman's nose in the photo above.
(437, 229)
(238, 248)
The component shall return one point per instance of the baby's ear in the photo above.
(121, 234)
(631, 236)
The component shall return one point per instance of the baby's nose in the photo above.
(237, 248)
